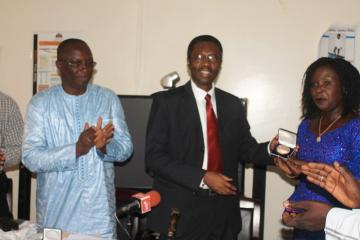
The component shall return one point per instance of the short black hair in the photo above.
(67, 43)
(350, 83)
(203, 38)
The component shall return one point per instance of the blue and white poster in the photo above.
(338, 42)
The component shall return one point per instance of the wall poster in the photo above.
(338, 42)
(45, 73)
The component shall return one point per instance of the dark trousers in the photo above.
(210, 220)
(4, 189)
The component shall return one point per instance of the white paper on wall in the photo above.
(338, 42)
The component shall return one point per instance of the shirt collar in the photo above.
(200, 94)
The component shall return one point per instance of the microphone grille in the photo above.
(155, 197)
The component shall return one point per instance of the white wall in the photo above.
(267, 46)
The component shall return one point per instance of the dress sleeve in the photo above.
(37, 155)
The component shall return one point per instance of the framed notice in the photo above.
(45, 73)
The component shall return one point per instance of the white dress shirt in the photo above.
(343, 224)
(201, 105)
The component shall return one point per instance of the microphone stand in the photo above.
(130, 225)
(134, 226)
(174, 217)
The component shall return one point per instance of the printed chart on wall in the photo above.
(338, 42)
(45, 73)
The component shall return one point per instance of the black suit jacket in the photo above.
(175, 152)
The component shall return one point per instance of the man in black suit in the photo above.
(179, 150)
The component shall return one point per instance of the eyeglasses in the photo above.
(213, 58)
(78, 63)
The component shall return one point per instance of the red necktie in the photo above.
(214, 154)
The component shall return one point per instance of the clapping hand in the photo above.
(85, 141)
(94, 136)
(311, 216)
(335, 179)
(103, 135)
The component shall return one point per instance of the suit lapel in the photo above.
(192, 118)
(190, 110)
(220, 108)
(221, 117)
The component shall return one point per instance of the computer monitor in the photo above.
(131, 173)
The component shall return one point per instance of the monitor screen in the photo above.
(131, 173)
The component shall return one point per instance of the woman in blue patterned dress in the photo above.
(330, 130)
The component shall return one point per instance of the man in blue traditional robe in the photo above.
(73, 134)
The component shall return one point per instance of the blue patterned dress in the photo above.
(341, 144)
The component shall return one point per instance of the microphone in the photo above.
(174, 217)
(142, 203)
(169, 80)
